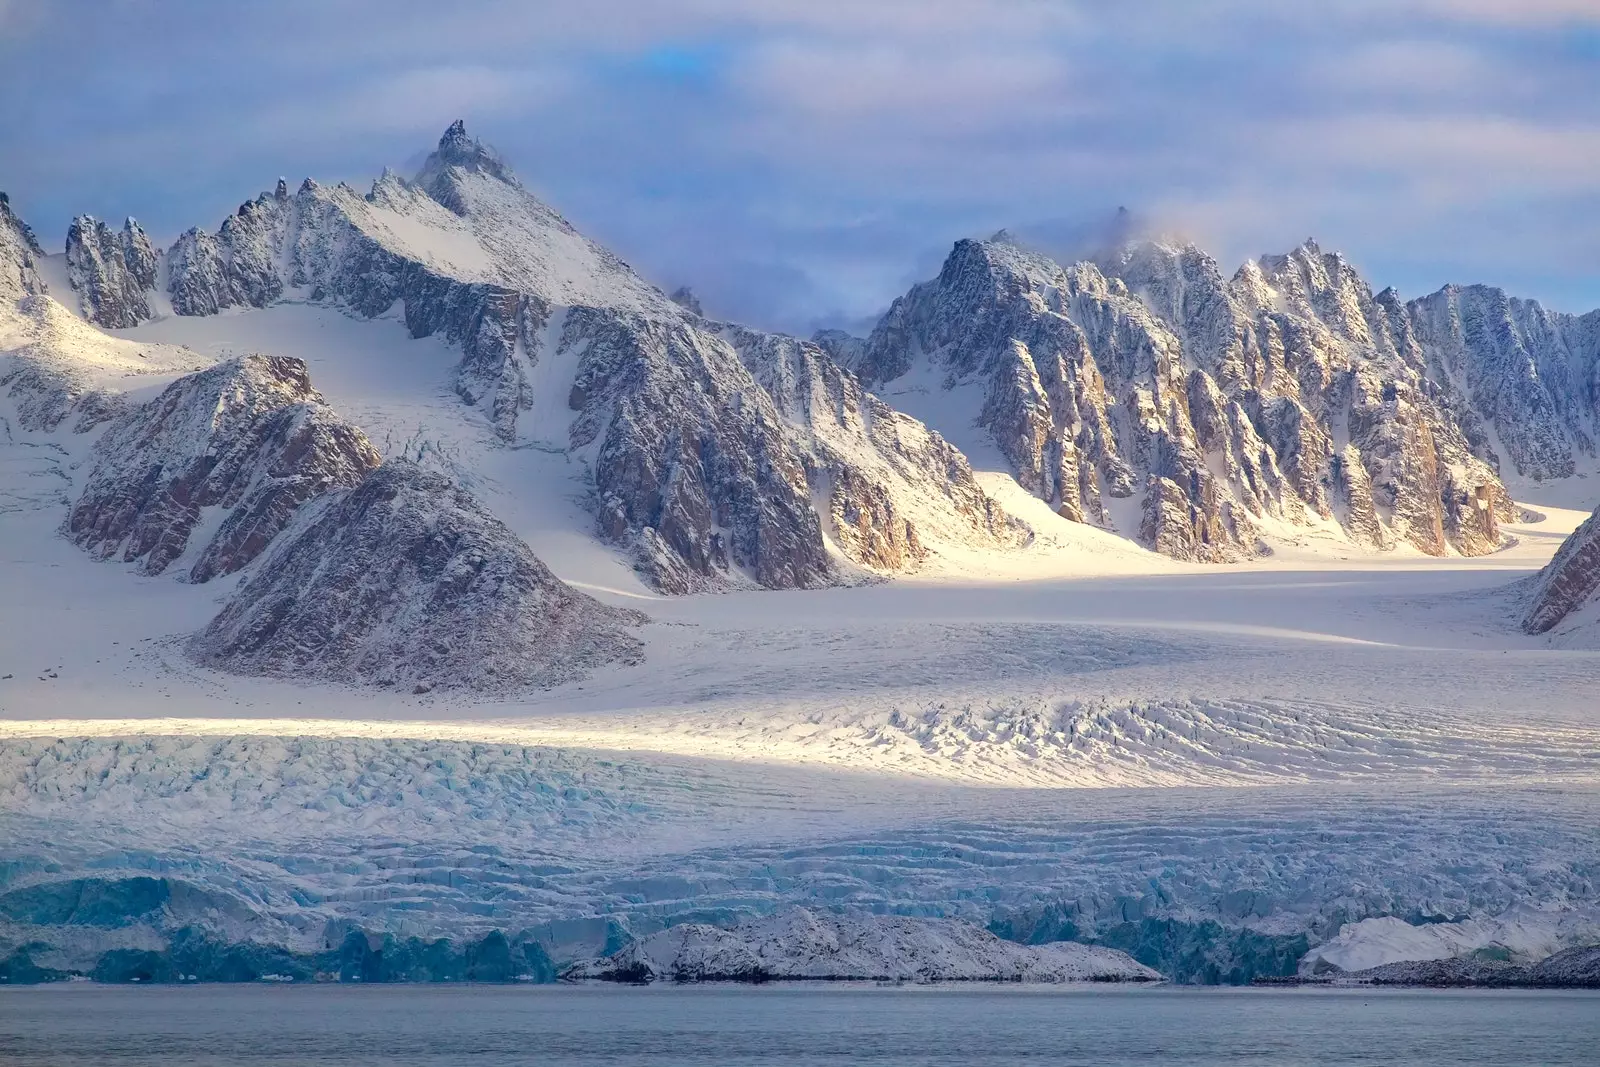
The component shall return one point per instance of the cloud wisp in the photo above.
(803, 161)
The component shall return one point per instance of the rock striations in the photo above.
(407, 581)
(708, 478)
(1286, 397)
(1569, 583)
(799, 944)
(234, 451)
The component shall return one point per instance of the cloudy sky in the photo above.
(802, 161)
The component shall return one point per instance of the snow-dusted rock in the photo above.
(1532, 375)
(801, 944)
(685, 298)
(407, 581)
(1288, 396)
(250, 438)
(112, 272)
(56, 370)
(19, 256)
(1569, 582)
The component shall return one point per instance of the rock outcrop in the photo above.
(1569, 582)
(406, 581)
(1289, 396)
(799, 944)
(250, 437)
(112, 272)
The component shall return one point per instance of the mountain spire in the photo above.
(460, 153)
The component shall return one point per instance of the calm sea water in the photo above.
(487, 1026)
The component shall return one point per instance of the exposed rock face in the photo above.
(113, 273)
(1287, 396)
(684, 453)
(1569, 581)
(407, 581)
(708, 477)
(19, 256)
(798, 944)
(1532, 375)
(884, 475)
(249, 436)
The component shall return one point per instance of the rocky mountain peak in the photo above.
(458, 152)
(685, 298)
(111, 272)
(1221, 400)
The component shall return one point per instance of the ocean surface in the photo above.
(486, 1026)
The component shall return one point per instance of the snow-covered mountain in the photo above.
(1219, 409)
(388, 576)
(113, 273)
(1213, 770)
(799, 944)
(696, 467)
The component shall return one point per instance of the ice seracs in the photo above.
(801, 944)
(407, 581)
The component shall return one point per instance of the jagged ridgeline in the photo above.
(719, 455)
(1289, 396)
(1144, 392)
